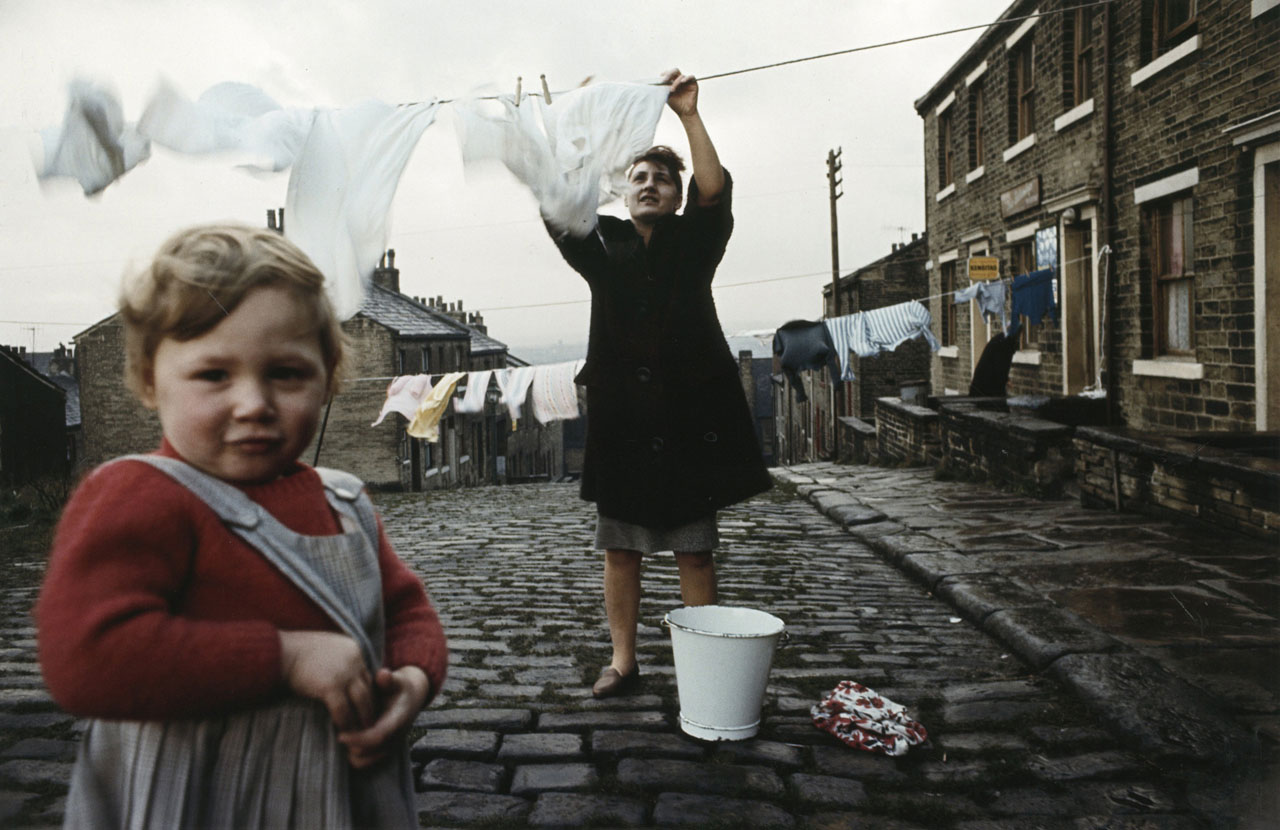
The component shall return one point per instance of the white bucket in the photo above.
(722, 656)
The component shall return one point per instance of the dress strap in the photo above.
(331, 581)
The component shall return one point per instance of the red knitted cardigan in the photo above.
(152, 609)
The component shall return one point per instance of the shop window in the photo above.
(1022, 260)
(1170, 257)
(1077, 58)
(948, 274)
(946, 166)
(976, 149)
(1022, 90)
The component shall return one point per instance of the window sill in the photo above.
(945, 192)
(1027, 357)
(951, 352)
(1263, 6)
(1169, 367)
(1165, 61)
(974, 174)
(1021, 147)
(1073, 115)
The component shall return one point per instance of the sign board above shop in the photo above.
(1020, 197)
(983, 268)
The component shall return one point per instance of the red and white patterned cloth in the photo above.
(865, 720)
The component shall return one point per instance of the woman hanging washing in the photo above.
(669, 437)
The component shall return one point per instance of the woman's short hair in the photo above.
(201, 274)
(665, 156)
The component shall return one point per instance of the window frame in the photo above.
(1022, 91)
(1160, 262)
(946, 157)
(947, 325)
(1163, 39)
(1082, 53)
(1022, 260)
(977, 100)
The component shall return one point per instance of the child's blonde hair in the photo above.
(201, 274)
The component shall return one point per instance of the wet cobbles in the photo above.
(515, 739)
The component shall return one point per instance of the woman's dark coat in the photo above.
(669, 434)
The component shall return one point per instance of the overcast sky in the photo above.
(478, 239)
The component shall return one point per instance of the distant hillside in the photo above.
(550, 353)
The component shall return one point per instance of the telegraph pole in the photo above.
(834, 192)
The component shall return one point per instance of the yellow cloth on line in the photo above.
(426, 421)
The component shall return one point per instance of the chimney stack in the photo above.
(386, 274)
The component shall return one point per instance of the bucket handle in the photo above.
(784, 636)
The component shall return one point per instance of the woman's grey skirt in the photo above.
(697, 536)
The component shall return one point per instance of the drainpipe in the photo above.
(1105, 209)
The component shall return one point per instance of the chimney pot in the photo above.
(913, 236)
(391, 257)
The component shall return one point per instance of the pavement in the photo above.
(1075, 669)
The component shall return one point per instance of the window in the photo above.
(1171, 260)
(948, 305)
(976, 101)
(1172, 21)
(1077, 41)
(400, 361)
(946, 167)
(1022, 91)
(1022, 260)
(426, 362)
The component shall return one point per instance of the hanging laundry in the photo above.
(573, 153)
(93, 145)
(404, 395)
(426, 421)
(227, 117)
(1033, 297)
(801, 344)
(990, 295)
(514, 385)
(553, 392)
(341, 188)
(891, 326)
(866, 720)
(472, 402)
(849, 334)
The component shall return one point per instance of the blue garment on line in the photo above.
(1033, 296)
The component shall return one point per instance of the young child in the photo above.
(236, 623)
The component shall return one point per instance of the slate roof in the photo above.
(410, 318)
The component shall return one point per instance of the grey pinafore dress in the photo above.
(276, 766)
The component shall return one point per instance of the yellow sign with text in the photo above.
(982, 268)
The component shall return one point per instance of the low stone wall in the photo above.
(1182, 476)
(906, 433)
(1009, 447)
(857, 440)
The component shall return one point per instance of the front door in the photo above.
(1079, 306)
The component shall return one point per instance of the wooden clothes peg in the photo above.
(546, 93)
(518, 80)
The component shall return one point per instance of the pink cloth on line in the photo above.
(404, 395)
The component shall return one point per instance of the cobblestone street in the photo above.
(515, 739)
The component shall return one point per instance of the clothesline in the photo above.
(547, 94)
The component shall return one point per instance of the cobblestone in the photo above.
(516, 740)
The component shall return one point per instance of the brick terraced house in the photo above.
(1147, 131)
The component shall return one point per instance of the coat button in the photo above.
(711, 438)
(657, 444)
(643, 374)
